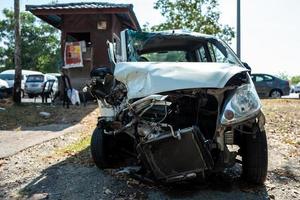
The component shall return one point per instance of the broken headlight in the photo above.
(244, 104)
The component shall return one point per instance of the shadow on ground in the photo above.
(78, 178)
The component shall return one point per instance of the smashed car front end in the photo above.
(184, 118)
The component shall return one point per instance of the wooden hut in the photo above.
(90, 23)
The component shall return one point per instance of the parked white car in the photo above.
(4, 89)
(9, 77)
(3, 84)
(297, 88)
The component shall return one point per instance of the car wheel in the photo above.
(103, 149)
(275, 94)
(254, 152)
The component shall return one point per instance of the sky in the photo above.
(270, 29)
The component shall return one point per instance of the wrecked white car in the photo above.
(181, 104)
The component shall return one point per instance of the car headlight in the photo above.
(243, 105)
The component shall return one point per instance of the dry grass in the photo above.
(283, 119)
(16, 117)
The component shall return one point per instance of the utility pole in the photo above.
(17, 55)
(238, 29)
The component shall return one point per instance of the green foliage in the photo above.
(39, 43)
(295, 79)
(194, 15)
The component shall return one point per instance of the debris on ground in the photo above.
(45, 114)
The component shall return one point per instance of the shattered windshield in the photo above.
(176, 47)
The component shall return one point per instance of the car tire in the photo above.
(275, 93)
(254, 151)
(103, 149)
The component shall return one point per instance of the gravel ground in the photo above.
(43, 172)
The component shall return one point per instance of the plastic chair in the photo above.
(47, 90)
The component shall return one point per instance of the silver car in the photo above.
(35, 83)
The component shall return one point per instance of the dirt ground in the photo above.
(62, 168)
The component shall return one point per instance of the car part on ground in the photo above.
(179, 120)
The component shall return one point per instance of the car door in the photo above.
(260, 85)
(269, 84)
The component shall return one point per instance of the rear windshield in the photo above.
(35, 78)
(7, 77)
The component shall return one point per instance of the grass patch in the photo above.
(76, 147)
(77, 152)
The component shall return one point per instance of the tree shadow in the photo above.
(78, 178)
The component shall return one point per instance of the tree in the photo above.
(17, 55)
(39, 43)
(194, 15)
(295, 79)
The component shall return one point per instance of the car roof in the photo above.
(36, 75)
(24, 72)
(262, 74)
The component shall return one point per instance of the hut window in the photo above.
(83, 36)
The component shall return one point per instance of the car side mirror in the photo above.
(247, 67)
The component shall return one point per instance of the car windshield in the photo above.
(177, 47)
(35, 78)
(7, 77)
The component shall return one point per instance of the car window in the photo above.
(203, 54)
(35, 78)
(7, 77)
(259, 78)
(253, 78)
(268, 78)
(220, 54)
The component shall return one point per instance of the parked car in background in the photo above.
(292, 90)
(297, 88)
(270, 86)
(3, 84)
(9, 77)
(35, 83)
(4, 89)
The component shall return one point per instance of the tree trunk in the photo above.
(17, 59)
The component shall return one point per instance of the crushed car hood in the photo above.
(146, 78)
